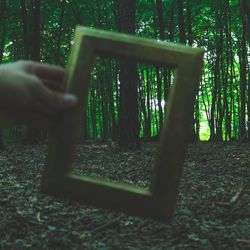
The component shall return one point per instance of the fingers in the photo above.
(46, 71)
(45, 100)
(28, 91)
(44, 80)
(53, 85)
(52, 76)
(49, 102)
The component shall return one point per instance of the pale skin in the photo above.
(31, 92)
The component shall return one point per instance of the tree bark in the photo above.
(195, 123)
(243, 73)
(159, 71)
(2, 44)
(227, 82)
(218, 75)
(26, 40)
(35, 134)
(129, 120)
(60, 30)
(181, 22)
(149, 115)
(160, 18)
(110, 76)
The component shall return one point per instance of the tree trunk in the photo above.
(213, 105)
(171, 39)
(34, 134)
(59, 36)
(182, 36)
(245, 15)
(93, 112)
(149, 115)
(129, 121)
(228, 99)
(142, 94)
(243, 74)
(195, 122)
(3, 27)
(26, 40)
(245, 11)
(2, 44)
(217, 75)
(159, 95)
(105, 108)
(111, 101)
(160, 18)
(164, 70)
(232, 74)
(181, 22)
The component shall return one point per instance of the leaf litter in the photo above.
(213, 209)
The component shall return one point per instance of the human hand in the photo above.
(31, 91)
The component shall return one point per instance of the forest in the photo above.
(121, 125)
(221, 28)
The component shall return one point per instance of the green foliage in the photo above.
(215, 25)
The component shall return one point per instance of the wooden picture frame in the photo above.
(159, 200)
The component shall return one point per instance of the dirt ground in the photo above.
(213, 209)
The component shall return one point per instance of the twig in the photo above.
(243, 241)
(227, 204)
(107, 224)
(35, 222)
(237, 195)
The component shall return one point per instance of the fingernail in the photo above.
(69, 99)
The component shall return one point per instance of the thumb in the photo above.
(59, 101)
(68, 100)
(50, 102)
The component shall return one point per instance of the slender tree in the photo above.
(129, 123)
(227, 86)
(243, 73)
(195, 123)
(34, 134)
(181, 22)
(2, 44)
(26, 38)
(59, 36)
(160, 72)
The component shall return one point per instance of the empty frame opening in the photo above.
(121, 88)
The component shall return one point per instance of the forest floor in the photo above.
(213, 208)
